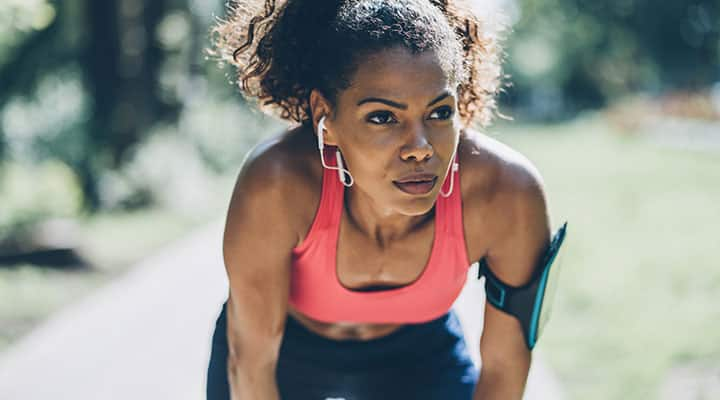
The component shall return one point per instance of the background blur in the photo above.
(118, 136)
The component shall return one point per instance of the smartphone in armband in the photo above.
(531, 303)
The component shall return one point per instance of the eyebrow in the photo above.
(400, 105)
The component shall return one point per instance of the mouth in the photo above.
(416, 186)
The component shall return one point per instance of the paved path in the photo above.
(147, 334)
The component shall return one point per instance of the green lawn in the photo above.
(640, 290)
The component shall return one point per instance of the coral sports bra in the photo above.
(316, 291)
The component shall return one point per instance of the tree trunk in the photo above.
(122, 62)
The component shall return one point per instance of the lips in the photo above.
(416, 178)
(416, 184)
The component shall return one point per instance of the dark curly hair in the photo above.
(285, 49)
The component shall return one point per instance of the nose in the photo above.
(417, 146)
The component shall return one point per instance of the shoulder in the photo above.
(278, 177)
(491, 167)
(504, 200)
(278, 162)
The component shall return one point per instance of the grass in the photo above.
(111, 242)
(640, 287)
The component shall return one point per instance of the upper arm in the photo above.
(520, 234)
(258, 241)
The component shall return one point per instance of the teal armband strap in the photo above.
(531, 303)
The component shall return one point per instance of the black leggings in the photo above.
(427, 361)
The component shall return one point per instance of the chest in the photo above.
(363, 264)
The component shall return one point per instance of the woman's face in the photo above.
(397, 119)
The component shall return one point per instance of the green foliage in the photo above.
(18, 18)
(187, 165)
(48, 122)
(223, 131)
(589, 52)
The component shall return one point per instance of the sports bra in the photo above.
(316, 291)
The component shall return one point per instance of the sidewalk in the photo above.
(147, 335)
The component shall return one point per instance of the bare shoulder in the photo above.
(278, 178)
(503, 194)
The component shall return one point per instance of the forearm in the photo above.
(501, 383)
(250, 383)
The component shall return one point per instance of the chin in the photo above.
(417, 206)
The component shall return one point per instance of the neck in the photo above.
(381, 224)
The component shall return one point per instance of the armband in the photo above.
(531, 303)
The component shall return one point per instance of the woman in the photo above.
(348, 237)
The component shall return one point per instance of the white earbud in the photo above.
(320, 135)
(321, 145)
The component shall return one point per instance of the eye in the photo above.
(442, 113)
(381, 118)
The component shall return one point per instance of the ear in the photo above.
(321, 107)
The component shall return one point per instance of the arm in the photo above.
(522, 234)
(258, 240)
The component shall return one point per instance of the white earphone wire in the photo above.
(454, 168)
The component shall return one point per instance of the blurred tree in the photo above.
(28, 47)
(122, 61)
(567, 55)
(115, 43)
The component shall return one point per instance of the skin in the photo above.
(407, 128)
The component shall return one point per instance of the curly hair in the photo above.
(283, 49)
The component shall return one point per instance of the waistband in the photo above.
(439, 341)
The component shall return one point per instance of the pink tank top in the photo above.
(315, 289)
